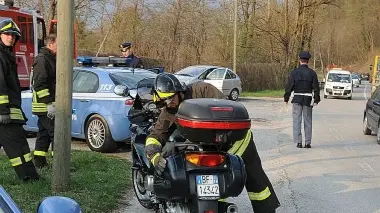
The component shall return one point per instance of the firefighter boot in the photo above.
(40, 162)
(26, 172)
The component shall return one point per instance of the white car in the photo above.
(355, 80)
(222, 78)
(339, 84)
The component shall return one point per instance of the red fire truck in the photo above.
(33, 33)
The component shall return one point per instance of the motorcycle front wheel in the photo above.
(142, 195)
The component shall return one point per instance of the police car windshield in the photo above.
(191, 71)
(130, 79)
(338, 77)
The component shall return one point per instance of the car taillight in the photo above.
(209, 211)
(129, 102)
(208, 160)
(214, 124)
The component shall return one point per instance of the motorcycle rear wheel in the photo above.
(138, 180)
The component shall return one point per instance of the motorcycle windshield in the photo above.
(144, 89)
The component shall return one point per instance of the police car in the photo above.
(99, 115)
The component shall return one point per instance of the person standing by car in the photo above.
(304, 82)
(44, 84)
(126, 50)
(13, 139)
(170, 92)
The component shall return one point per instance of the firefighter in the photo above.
(303, 81)
(44, 71)
(168, 90)
(12, 118)
(126, 50)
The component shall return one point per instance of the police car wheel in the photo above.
(98, 135)
(234, 95)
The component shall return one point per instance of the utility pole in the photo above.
(62, 130)
(235, 34)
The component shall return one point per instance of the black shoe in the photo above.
(308, 146)
(299, 145)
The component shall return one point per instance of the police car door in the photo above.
(216, 78)
(85, 86)
(373, 109)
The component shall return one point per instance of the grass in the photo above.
(97, 183)
(264, 93)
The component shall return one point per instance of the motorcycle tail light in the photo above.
(129, 102)
(230, 125)
(208, 160)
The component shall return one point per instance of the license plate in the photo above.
(208, 186)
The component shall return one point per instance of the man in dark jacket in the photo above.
(44, 70)
(304, 82)
(126, 50)
(168, 90)
(13, 138)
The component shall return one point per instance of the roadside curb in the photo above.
(261, 98)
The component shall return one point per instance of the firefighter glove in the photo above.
(5, 119)
(51, 111)
(159, 163)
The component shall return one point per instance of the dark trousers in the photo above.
(45, 137)
(16, 147)
(260, 190)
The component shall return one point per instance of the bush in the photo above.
(262, 76)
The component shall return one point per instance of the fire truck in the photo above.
(33, 33)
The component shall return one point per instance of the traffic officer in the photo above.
(168, 90)
(44, 82)
(12, 118)
(303, 81)
(126, 50)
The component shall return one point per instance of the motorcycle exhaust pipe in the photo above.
(232, 208)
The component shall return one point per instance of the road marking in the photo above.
(366, 167)
(350, 149)
(365, 92)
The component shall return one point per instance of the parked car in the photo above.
(371, 118)
(222, 78)
(355, 80)
(98, 114)
(47, 205)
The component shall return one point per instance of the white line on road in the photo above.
(350, 149)
(366, 167)
(365, 92)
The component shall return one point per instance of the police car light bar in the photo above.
(94, 61)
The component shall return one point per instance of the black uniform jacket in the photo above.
(10, 91)
(302, 80)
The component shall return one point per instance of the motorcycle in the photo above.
(199, 171)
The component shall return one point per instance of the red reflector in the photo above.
(225, 109)
(129, 102)
(214, 124)
(209, 160)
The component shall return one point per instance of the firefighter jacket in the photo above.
(165, 125)
(44, 72)
(304, 82)
(10, 90)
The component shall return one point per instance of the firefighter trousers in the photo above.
(260, 190)
(17, 149)
(45, 137)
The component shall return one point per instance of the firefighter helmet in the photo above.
(9, 26)
(166, 85)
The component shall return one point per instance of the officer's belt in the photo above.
(304, 94)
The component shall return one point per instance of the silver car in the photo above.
(222, 78)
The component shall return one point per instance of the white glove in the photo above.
(51, 111)
(5, 119)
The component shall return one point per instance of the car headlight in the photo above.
(348, 87)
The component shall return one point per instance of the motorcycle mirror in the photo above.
(121, 90)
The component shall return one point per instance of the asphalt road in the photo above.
(339, 173)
